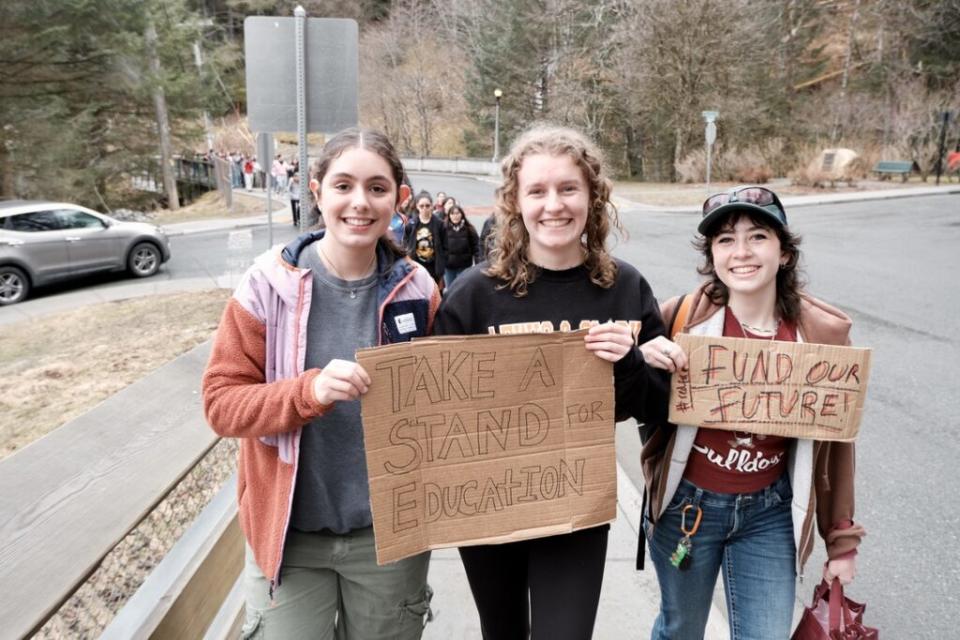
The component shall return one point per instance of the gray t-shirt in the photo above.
(332, 491)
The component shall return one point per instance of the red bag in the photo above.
(832, 616)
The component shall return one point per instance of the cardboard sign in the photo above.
(485, 439)
(787, 389)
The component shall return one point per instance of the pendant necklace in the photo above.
(333, 268)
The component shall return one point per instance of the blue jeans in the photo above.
(451, 274)
(750, 537)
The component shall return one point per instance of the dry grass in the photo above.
(56, 368)
(211, 205)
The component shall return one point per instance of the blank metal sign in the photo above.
(331, 48)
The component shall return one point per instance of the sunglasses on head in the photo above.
(750, 195)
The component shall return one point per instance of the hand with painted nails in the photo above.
(340, 380)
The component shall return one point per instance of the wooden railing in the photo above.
(67, 500)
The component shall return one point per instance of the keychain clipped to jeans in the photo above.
(683, 555)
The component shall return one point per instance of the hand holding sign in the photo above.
(340, 380)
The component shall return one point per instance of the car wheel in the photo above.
(144, 260)
(14, 285)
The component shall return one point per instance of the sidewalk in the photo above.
(629, 600)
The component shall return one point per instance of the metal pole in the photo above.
(496, 128)
(709, 149)
(306, 211)
(943, 141)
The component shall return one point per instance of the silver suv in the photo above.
(42, 242)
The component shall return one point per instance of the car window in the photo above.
(36, 221)
(79, 220)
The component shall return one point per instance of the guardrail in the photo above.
(470, 166)
(85, 509)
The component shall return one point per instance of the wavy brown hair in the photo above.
(790, 280)
(509, 259)
(370, 140)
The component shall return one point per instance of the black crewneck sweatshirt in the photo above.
(564, 301)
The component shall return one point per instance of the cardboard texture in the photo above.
(788, 389)
(487, 439)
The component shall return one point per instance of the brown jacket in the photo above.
(826, 467)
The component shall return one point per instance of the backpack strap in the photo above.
(680, 313)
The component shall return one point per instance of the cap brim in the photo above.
(709, 219)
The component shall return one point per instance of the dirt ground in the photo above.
(211, 205)
(58, 367)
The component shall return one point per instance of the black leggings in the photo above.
(562, 575)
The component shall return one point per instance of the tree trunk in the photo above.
(837, 132)
(163, 121)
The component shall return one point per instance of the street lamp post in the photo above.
(496, 125)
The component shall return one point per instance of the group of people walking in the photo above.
(283, 378)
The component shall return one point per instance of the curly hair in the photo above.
(509, 259)
(790, 280)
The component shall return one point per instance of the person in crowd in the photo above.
(425, 238)
(438, 203)
(398, 223)
(294, 193)
(463, 245)
(552, 267)
(279, 174)
(488, 235)
(249, 167)
(282, 378)
(756, 497)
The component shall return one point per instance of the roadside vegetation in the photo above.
(56, 368)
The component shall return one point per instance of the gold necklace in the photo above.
(329, 263)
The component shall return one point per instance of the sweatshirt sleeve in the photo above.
(237, 400)
(834, 485)
(642, 392)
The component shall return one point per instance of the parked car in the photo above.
(43, 242)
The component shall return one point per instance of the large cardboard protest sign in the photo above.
(788, 389)
(485, 439)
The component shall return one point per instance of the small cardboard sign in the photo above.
(790, 389)
(487, 439)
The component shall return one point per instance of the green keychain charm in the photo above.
(683, 555)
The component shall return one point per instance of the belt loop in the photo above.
(697, 497)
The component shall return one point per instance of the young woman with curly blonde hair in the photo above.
(551, 270)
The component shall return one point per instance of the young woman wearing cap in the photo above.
(751, 499)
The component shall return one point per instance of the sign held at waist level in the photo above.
(790, 389)
(486, 439)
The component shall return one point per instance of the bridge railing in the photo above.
(123, 521)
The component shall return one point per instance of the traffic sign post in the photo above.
(310, 86)
(711, 137)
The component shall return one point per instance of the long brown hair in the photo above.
(375, 142)
(509, 259)
(789, 277)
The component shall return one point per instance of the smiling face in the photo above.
(358, 196)
(746, 257)
(553, 198)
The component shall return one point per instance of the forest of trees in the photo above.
(93, 91)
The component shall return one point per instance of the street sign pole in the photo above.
(265, 153)
(306, 211)
(710, 135)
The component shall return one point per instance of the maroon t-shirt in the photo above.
(738, 461)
